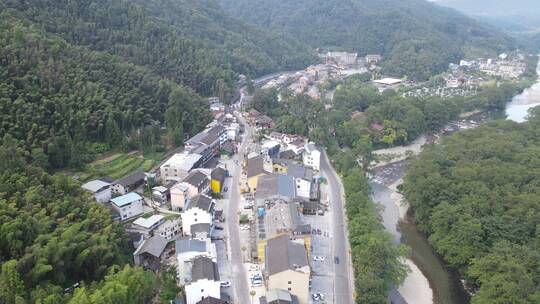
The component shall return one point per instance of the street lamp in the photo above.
(252, 293)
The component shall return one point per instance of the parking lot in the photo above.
(322, 271)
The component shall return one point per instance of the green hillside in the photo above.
(78, 78)
(417, 38)
(191, 42)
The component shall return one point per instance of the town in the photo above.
(241, 198)
(239, 195)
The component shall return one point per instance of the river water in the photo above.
(517, 109)
(431, 281)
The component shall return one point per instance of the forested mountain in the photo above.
(477, 197)
(417, 38)
(191, 42)
(81, 77)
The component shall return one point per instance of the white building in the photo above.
(232, 131)
(312, 157)
(198, 210)
(128, 206)
(187, 250)
(169, 229)
(204, 281)
(179, 165)
(100, 190)
(151, 223)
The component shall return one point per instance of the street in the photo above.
(343, 273)
(240, 285)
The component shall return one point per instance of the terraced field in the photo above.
(117, 166)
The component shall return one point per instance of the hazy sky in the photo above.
(494, 8)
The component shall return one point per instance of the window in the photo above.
(289, 282)
(289, 289)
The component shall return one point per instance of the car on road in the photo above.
(225, 284)
(225, 189)
(254, 268)
(318, 258)
(336, 259)
(218, 227)
(244, 227)
(256, 280)
(317, 296)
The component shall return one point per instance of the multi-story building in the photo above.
(128, 206)
(198, 210)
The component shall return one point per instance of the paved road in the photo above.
(343, 274)
(238, 272)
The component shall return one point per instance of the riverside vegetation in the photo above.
(477, 197)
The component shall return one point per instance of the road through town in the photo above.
(239, 273)
(343, 273)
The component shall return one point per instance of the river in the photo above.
(430, 280)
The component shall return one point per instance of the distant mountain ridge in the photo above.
(518, 15)
(416, 37)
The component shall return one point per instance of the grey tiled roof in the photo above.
(189, 245)
(204, 268)
(255, 166)
(202, 202)
(195, 178)
(276, 185)
(200, 230)
(210, 300)
(283, 254)
(131, 179)
(299, 171)
(153, 246)
(218, 174)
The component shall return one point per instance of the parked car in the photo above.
(336, 259)
(218, 227)
(315, 296)
(244, 227)
(225, 189)
(225, 284)
(317, 258)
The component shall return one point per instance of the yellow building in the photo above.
(217, 179)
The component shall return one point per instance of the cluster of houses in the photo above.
(337, 65)
(505, 66)
(172, 224)
(281, 184)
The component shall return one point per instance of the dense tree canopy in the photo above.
(121, 286)
(52, 235)
(477, 196)
(191, 42)
(56, 98)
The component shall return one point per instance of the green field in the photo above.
(118, 166)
